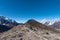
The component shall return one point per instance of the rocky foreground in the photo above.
(31, 31)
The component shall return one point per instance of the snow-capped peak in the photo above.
(4, 21)
(49, 22)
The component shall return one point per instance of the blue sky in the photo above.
(22, 10)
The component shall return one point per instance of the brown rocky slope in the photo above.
(31, 30)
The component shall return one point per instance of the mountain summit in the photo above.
(5, 21)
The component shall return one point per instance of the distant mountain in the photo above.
(56, 25)
(53, 23)
(6, 24)
(49, 22)
(7, 21)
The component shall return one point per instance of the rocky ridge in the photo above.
(31, 30)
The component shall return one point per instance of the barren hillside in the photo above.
(32, 30)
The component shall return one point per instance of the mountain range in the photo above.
(30, 30)
(9, 23)
(54, 23)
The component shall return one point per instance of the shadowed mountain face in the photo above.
(4, 28)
